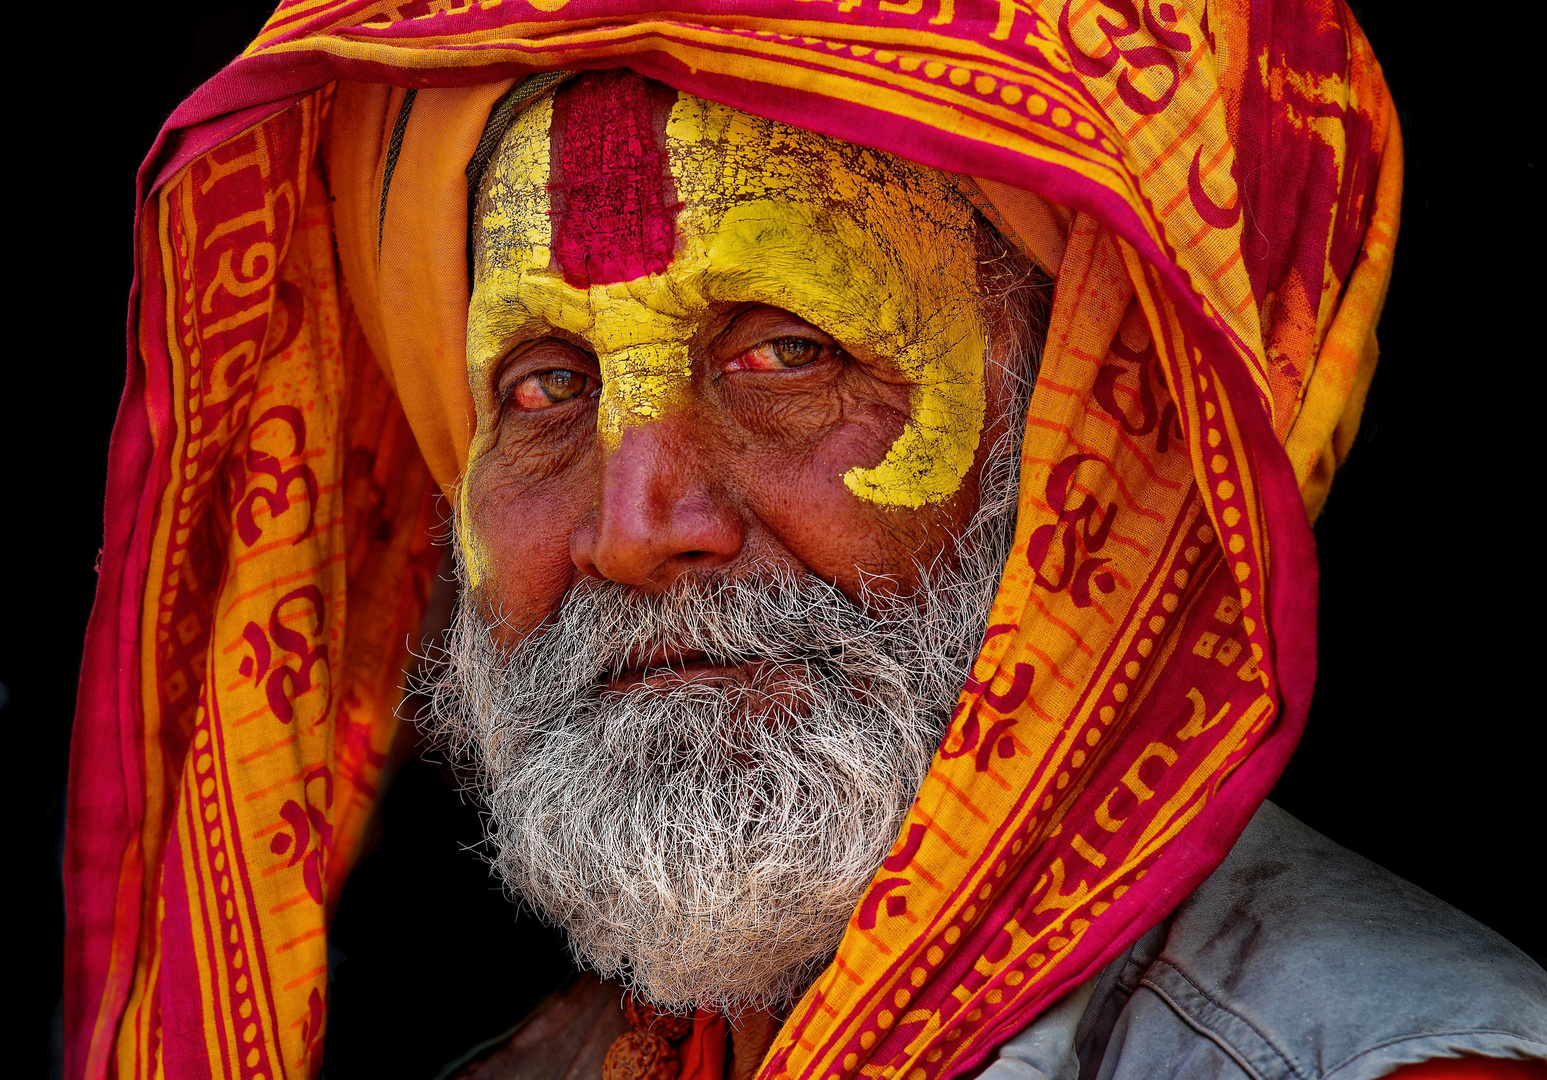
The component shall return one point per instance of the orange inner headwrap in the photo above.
(405, 265)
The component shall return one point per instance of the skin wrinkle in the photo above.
(877, 259)
(537, 457)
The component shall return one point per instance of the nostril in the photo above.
(694, 554)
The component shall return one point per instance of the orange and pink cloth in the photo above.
(1215, 189)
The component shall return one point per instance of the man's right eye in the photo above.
(545, 389)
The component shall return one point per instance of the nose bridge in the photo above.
(661, 508)
(641, 383)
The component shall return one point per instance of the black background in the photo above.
(1424, 748)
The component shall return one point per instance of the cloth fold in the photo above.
(703, 1055)
(405, 257)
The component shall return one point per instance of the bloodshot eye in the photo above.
(545, 389)
(781, 354)
(796, 352)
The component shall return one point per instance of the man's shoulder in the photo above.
(1298, 958)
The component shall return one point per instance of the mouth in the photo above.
(667, 668)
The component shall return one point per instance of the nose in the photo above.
(660, 511)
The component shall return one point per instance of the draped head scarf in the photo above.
(1214, 187)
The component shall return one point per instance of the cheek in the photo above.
(795, 485)
(521, 529)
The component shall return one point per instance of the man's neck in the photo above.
(752, 1033)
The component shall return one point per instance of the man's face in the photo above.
(725, 566)
(783, 372)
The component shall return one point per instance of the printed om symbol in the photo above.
(883, 894)
(258, 462)
(1134, 57)
(285, 683)
(982, 742)
(1150, 418)
(1081, 530)
(307, 834)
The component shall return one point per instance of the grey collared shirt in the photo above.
(1296, 959)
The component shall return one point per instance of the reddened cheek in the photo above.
(858, 441)
(803, 501)
(521, 529)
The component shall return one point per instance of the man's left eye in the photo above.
(549, 388)
(781, 354)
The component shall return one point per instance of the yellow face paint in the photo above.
(875, 251)
(639, 329)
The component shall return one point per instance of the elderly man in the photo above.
(879, 452)
(704, 653)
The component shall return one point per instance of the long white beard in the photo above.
(706, 842)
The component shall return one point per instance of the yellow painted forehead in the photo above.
(626, 231)
(716, 158)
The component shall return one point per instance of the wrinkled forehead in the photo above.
(600, 182)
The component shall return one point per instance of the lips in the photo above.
(672, 668)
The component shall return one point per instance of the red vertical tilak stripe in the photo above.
(613, 204)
